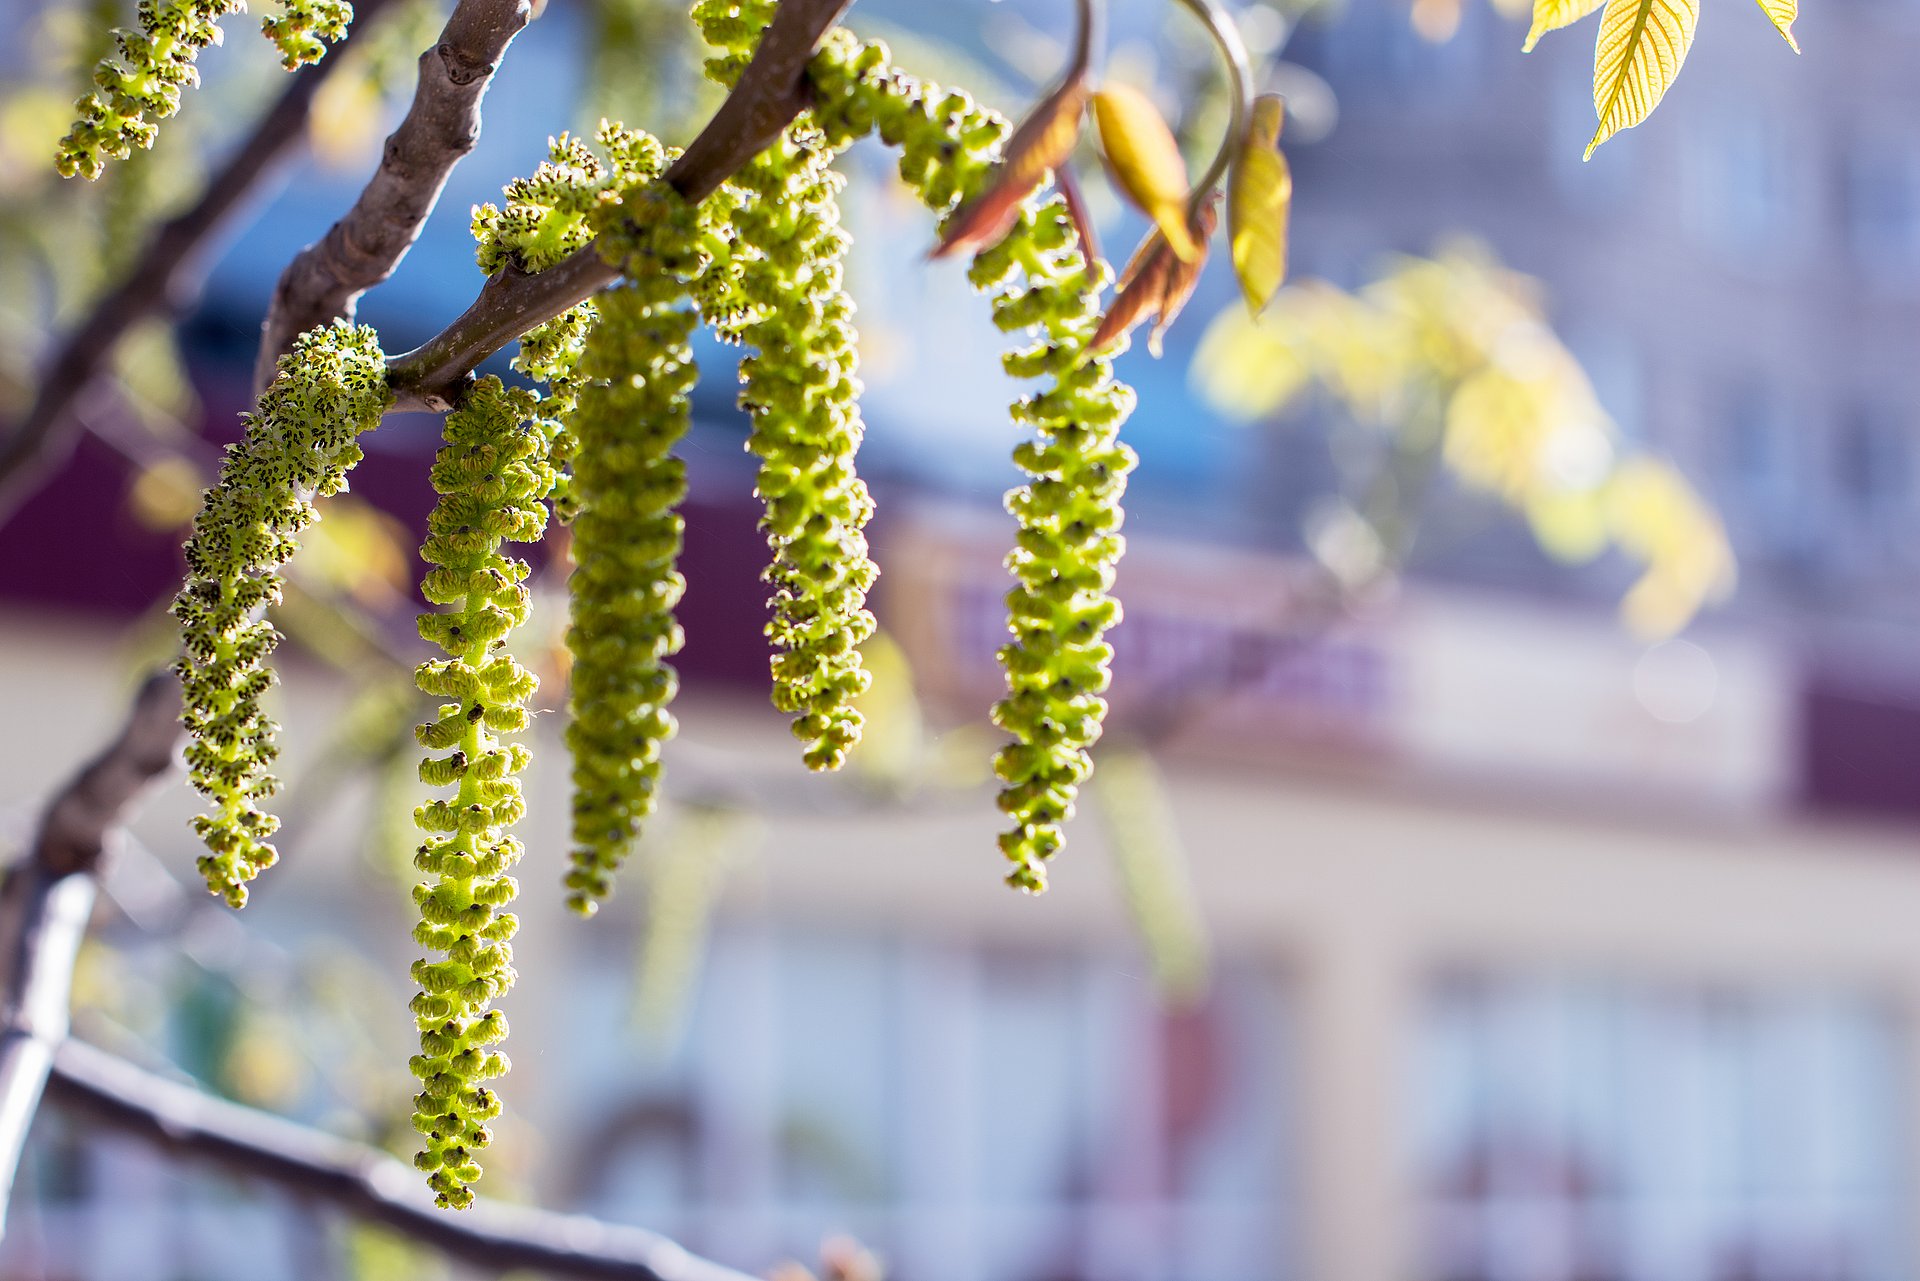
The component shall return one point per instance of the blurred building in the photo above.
(1539, 955)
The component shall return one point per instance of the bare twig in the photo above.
(165, 279)
(48, 897)
(363, 1181)
(771, 92)
(326, 279)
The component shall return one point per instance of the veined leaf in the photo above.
(1259, 191)
(1146, 162)
(1265, 120)
(1642, 44)
(1551, 15)
(1781, 14)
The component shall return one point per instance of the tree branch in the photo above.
(771, 92)
(325, 281)
(165, 279)
(48, 898)
(363, 1181)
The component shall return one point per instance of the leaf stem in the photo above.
(1233, 52)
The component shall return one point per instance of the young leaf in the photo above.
(1642, 44)
(1183, 275)
(1259, 190)
(1141, 287)
(1042, 143)
(1781, 14)
(1156, 283)
(1551, 15)
(1146, 162)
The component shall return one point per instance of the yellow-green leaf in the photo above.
(1642, 44)
(1551, 15)
(1259, 191)
(1146, 162)
(1781, 14)
(1264, 121)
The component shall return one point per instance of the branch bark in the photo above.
(48, 898)
(363, 1181)
(771, 92)
(164, 280)
(325, 280)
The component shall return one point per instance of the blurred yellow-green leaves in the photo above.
(1454, 354)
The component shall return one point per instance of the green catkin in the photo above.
(491, 476)
(558, 209)
(1069, 543)
(548, 217)
(141, 81)
(550, 354)
(1069, 513)
(303, 29)
(298, 445)
(787, 299)
(632, 408)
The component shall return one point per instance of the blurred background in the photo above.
(1478, 885)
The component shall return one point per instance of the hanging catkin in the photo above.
(298, 446)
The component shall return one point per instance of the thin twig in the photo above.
(771, 92)
(48, 897)
(363, 1181)
(325, 280)
(165, 280)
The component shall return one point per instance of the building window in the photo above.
(1759, 473)
(1736, 189)
(1880, 206)
(1873, 467)
(1611, 1132)
(968, 1113)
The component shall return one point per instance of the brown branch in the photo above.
(771, 92)
(48, 897)
(165, 280)
(363, 1181)
(325, 280)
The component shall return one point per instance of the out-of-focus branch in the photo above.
(771, 92)
(48, 897)
(164, 279)
(367, 1183)
(325, 280)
